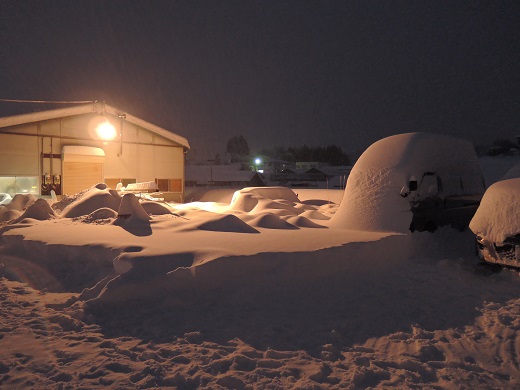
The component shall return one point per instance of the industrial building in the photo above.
(67, 150)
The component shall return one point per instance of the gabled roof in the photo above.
(87, 109)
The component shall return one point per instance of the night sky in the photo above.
(282, 73)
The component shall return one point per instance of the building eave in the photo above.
(88, 108)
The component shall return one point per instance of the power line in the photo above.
(47, 101)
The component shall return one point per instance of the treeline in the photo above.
(330, 154)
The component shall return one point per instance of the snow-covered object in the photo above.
(40, 210)
(271, 221)
(142, 186)
(498, 216)
(131, 210)
(373, 200)
(101, 214)
(305, 222)
(227, 223)
(281, 200)
(7, 214)
(154, 208)
(92, 200)
(21, 201)
(274, 193)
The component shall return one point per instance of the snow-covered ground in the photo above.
(259, 291)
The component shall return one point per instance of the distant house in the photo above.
(314, 174)
(221, 176)
(324, 177)
(70, 149)
(306, 165)
(269, 165)
(285, 176)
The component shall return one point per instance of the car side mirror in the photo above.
(412, 185)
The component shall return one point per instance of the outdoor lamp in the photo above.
(106, 131)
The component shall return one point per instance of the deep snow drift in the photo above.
(259, 292)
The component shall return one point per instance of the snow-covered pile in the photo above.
(95, 198)
(498, 216)
(255, 199)
(372, 198)
(131, 211)
(21, 206)
(40, 210)
(20, 202)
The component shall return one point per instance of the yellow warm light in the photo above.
(106, 131)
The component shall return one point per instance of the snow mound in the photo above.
(279, 207)
(497, 217)
(66, 200)
(372, 200)
(278, 200)
(227, 223)
(40, 210)
(154, 208)
(92, 200)
(100, 215)
(130, 211)
(328, 210)
(271, 221)
(243, 202)
(21, 201)
(7, 214)
(269, 193)
(304, 222)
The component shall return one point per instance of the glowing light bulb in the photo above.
(106, 131)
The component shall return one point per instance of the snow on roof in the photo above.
(372, 198)
(87, 109)
(497, 216)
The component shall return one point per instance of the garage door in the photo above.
(82, 168)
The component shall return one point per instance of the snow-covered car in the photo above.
(412, 182)
(496, 224)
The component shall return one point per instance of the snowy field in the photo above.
(264, 289)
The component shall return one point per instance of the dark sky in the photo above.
(278, 72)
